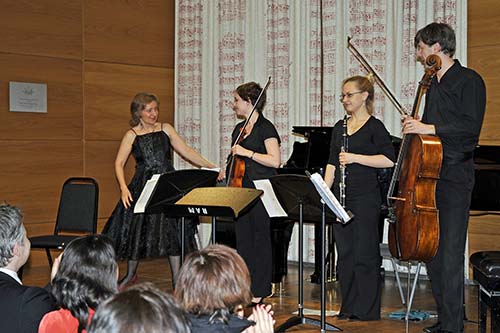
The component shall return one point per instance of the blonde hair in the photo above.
(364, 83)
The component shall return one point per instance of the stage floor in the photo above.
(158, 272)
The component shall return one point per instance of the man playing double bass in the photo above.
(454, 111)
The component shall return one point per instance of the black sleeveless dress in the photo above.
(139, 236)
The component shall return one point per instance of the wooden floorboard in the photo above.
(284, 304)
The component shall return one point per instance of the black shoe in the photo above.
(436, 328)
(342, 316)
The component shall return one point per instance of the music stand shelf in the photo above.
(211, 201)
(164, 190)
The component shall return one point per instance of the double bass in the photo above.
(413, 215)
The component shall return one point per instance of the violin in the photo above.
(237, 164)
(238, 167)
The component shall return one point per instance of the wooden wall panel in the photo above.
(483, 22)
(109, 89)
(49, 28)
(63, 119)
(94, 56)
(100, 224)
(130, 32)
(483, 56)
(33, 173)
(481, 60)
(99, 162)
(484, 234)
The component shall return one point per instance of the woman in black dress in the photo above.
(369, 147)
(139, 236)
(260, 150)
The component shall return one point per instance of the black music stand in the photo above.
(299, 198)
(214, 202)
(173, 185)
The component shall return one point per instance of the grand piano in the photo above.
(313, 154)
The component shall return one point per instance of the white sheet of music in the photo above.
(327, 196)
(147, 191)
(269, 199)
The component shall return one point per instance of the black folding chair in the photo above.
(77, 214)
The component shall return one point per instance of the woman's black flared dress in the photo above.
(139, 236)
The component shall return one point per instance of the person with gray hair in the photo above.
(23, 306)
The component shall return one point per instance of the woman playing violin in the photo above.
(259, 150)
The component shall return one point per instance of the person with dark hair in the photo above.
(142, 308)
(22, 307)
(213, 287)
(140, 236)
(368, 148)
(454, 110)
(259, 149)
(83, 276)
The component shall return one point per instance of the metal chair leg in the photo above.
(49, 257)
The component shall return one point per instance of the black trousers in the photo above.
(446, 269)
(359, 259)
(253, 243)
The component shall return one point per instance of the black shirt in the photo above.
(371, 139)
(455, 106)
(262, 130)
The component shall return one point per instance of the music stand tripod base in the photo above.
(298, 196)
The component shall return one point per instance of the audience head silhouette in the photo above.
(86, 276)
(140, 309)
(213, 281)
(22, 306)
(14, 244)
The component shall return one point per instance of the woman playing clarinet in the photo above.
(360, 144)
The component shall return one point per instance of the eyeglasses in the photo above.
(349, 95)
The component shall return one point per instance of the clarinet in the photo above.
(342, 167)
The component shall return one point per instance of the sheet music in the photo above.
(269, 199)
(147, 191)
(328, 197)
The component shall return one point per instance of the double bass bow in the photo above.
(237, 164)
(413, 216)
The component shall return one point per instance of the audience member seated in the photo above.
(22, 307)
(84, 275)
(142, 308)
(213, 287)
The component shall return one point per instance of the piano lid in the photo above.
(310, 155)
(308, 131)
